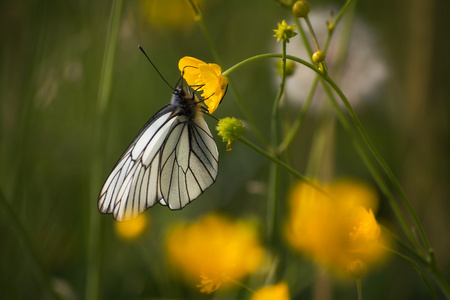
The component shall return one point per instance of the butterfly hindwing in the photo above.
(189, 162)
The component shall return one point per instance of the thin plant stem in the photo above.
(418, 270)
(375, 174)
(298, 122)
(109, 54)
(360, 130)
(289, 137)
(246, 112)
(276, 103)
(282, 164)
(30, 254)
(273, 176)
(319, 149)
(270, 55)
(104, 89)
(302, 35)
(435, 272)
(359, 288)
(313, 34)
(341, 14)
(380, 160)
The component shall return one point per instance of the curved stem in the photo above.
(358, 125)
(418, 270)
(380, 160)
(270, 55)
(246, 112)
(283, 165)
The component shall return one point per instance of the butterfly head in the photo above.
(184, 102)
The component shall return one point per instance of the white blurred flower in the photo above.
(363, 71)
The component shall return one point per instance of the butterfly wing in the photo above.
(134, 183)
(172, 160)
(189, 162)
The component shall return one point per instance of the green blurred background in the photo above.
(51, 55)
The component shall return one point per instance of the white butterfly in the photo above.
(172, 160)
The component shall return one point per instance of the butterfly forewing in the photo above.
(172, 160)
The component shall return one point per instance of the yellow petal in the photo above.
(279, 291)
(215, 85)
(189, 70)
(189, 61)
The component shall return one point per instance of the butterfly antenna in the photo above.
(159, 73)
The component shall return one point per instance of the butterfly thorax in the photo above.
(185, 103)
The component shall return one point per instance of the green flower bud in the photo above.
(230, 129)
(318, 57)
(356, 268)
(301, 9)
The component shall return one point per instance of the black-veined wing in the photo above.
(172, 161)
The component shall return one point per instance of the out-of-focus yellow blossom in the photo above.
(284, 32)
(215, 251)
(175, 14)
(337, 228)
(207, 77)
(290, 67)
(278, 291)
(132, 229)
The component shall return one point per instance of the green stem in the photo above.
(313, 34)
(276, 103)
(359, 127)
(273, 177)
(341, 14)
(24, 240)
(299, 120)
(380, 160)
(110, 52)
(246, 112)
(270, 55)
(370, 166)
(289, 137)
(104, 90)
(359, 288)
(303, 35)
(360, 149)
(440, 280)
(418, 270)
(282, 164)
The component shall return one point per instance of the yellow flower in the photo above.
(337, 229)
(207, 77)
(181, 15)
(132, 229)
(279, 291)
(284, 32)
(215, 250)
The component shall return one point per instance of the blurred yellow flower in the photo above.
(176, 14)
(207, 77)
(215, 251)
(132, 229)
(278, 291)
(339, 229)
